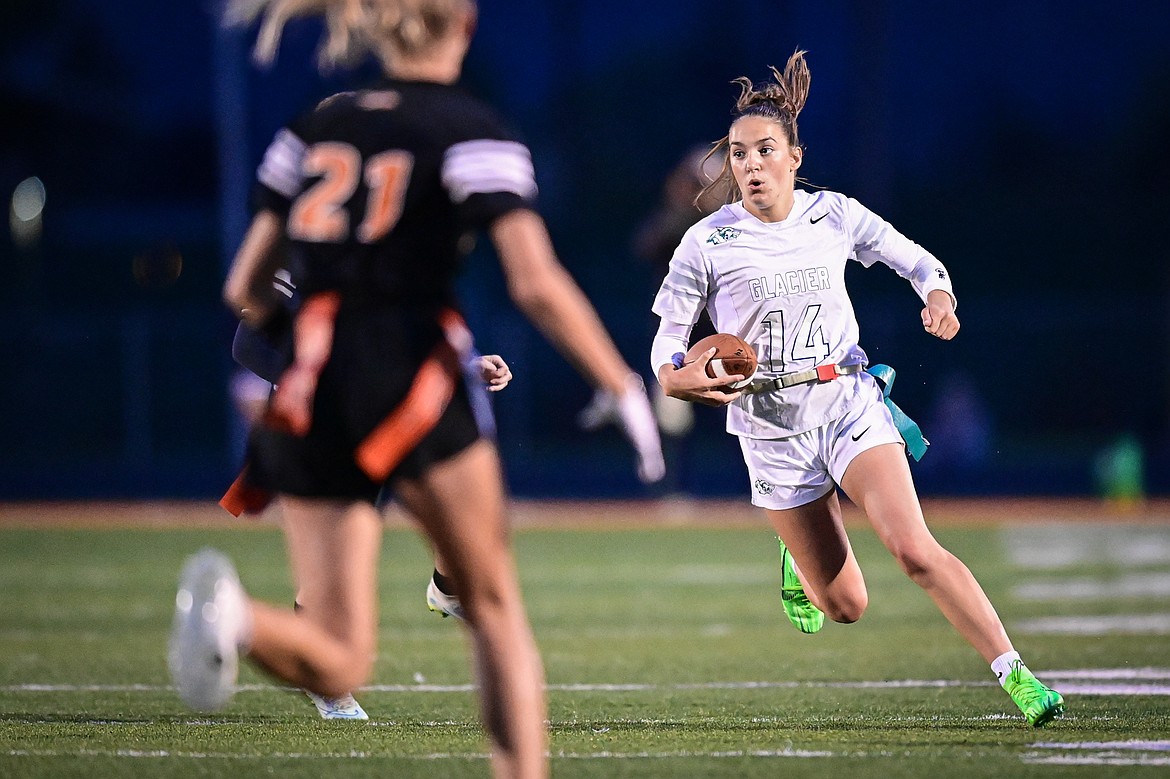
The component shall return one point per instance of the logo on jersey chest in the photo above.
(723, 235)
(790, 283)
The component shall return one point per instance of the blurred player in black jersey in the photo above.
(373, 192)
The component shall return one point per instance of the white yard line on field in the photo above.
(1155, 674)
(1125, 624)
(1083, 681)
(1155, 584)
(1087, 753)
(1115, 753)
(1056, 545)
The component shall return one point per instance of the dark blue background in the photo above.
(1024, 143)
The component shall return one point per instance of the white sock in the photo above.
(1002, 665)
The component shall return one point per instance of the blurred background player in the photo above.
(770, 268)
(685, 199)
(373, 191)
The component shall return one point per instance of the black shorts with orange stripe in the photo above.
(391, 402)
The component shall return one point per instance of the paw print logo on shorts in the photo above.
(763, 487)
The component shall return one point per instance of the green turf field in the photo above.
(667, 655)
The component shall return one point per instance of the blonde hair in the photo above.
(385, 28)
(780, 101)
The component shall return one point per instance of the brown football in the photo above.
(733, 356)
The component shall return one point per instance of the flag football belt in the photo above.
(818, 375)
(911, 434)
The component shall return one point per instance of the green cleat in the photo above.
(1039, 704)
(806, 617)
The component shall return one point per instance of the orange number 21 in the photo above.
(319, 214)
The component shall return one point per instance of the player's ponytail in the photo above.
(274, 15)
(410, 27)
(386, 28)
(780, 101)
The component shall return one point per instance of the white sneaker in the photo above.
(344, 707)
(446, 605)
(211, 616)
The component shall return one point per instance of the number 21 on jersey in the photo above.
(319, 214)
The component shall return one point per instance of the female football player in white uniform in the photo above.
(770, 267)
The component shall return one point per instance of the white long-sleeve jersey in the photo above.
(781, 287)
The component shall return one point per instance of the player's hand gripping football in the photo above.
(939, 315)
(691, 383)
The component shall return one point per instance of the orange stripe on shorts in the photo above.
(396, 435)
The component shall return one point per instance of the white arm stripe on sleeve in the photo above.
(485, 166)
(280, 170)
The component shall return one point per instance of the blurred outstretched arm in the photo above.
(545, 293)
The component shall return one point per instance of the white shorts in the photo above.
(788, 472)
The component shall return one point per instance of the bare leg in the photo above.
(878, 480)
(815, 535)
(329, 647)
(441, 565)
(460, 503)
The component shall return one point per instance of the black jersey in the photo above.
(378, 190)
(382, 188)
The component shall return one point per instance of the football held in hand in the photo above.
(733, 356)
